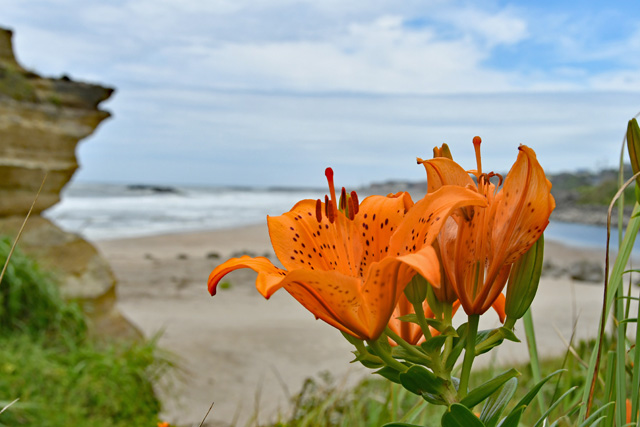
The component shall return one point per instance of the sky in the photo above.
(271, 92)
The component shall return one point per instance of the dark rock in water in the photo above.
(586, 271)
(213, 255)
(152, 188)
(549, 268)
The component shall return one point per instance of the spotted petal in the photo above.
(300, 241)
(423, 222)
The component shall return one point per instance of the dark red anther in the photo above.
(331, 213)
(319, 210)
(327, 205)
(352, 208)
(356, 203)
(343, 199)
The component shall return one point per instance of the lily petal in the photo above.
(424, 221)
(331, 297)
(524, 206)
(377, 220)
(442, 171)
(267, 282)
(300, 241)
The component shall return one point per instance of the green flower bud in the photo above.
(523, 281)
(416, 290)
(633, 144)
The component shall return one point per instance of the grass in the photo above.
(323, 402)
(60, 375)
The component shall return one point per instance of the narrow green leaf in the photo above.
(513, 419)
(616, 275)
(553, 406)
(458, 345)
(420, 380)
(412, 318)
(593, 418)
(483, 391)
(532, 347)
(526, 400)
(389, 373)
(458, 415)
(495, 404)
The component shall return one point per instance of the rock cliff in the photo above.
(41, 122)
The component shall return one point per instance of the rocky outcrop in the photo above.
(41, 122)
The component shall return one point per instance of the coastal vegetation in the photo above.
(60, 373)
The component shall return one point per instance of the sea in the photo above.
(112, 211)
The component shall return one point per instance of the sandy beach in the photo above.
(249, 355)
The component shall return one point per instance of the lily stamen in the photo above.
(319, 210)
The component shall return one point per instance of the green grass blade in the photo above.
(616, 276)
(609, 392)
(596, 417)
(533, 353)
(553, 406)
(635, 382)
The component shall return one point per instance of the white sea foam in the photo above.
(114, 211)
(99, 211)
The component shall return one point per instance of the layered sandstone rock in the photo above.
(41, 122)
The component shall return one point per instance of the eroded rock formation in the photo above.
(41, 122)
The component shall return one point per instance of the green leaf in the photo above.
(420, 380)
(526, 400)
(508, 334)
(553, 406)
(411, 318)
(436, 399)
(483, 391)
(389, 373)
(513, 419)
(458, 345)
(367, 360)
(434, 344)
(595, 417)
(495, 404)
(458, 415)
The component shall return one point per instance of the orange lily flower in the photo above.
(479, 245)
(349, 266)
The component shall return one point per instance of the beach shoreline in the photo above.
(246, 354)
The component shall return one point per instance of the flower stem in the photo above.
(422, 320)
(386, 357)
(469, 354)
(447, 320)
(402, 343)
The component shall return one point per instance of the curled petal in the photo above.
(498, 306)
(269, 276)
(442, 171)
